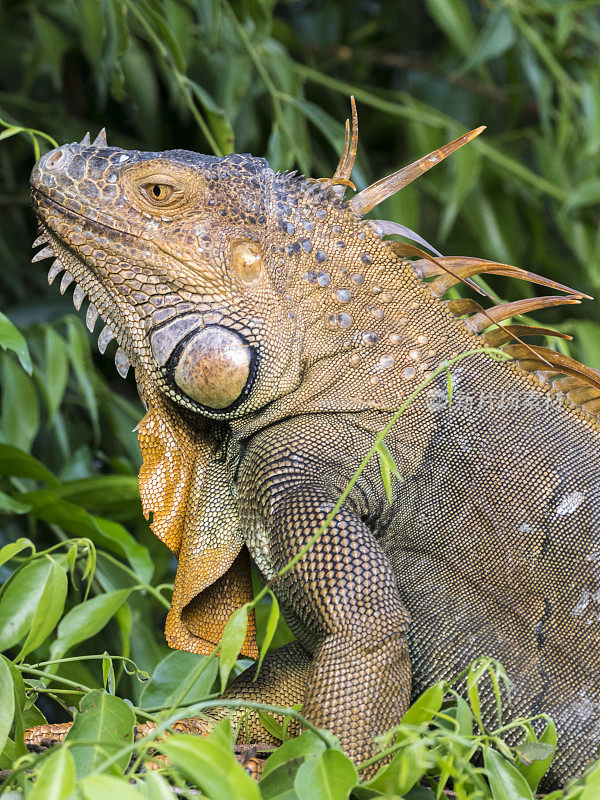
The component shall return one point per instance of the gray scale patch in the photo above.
(165, 339)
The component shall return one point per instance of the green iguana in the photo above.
(274, 332)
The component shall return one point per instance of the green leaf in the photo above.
(232, 640)
(586, 194)
(279, 784)
(102, 726)
(449, 386)
(463, 176)
(56, 371)
(157, 788)
(14, 461)
(279, 153)
(534, 751)
(81, 361)
(108, 673)
(12, 339)
(11, 505)
(14, 548)
(506, 782)
(271, 725)
(7, 702)
(331, 128)
(454, 18)
(404, 770)
(21, 598)
(197, 758)
(86, 620)
(495, 672)
(387, 467)
(165, 685)
(20, 703)
(217, 119)
(591, 783)
(386, 477)
(294, 750)
(115, 537)
(421, 793)
(282, 635)
(590, 102)
(49, 609)
(270, 629)
(533, 761)
(329, 776)
(20, 417)
(142, 84)
(426, 706)
(162, 26)
(99, 787)
(497, 36)
(222, 734)
(32, 716)
(92, 30)
(56, 778)
(52, 43)
(107, 494)
(47, 504)
(463, 716)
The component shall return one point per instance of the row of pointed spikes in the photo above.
(449, 271)
(99, 141)
(379, 191)
(582, 384)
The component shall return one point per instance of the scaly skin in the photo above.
(273, 333)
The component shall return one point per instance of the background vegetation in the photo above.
(273, 79)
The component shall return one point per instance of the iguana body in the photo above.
(273, 334)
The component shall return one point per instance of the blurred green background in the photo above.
(273, 79)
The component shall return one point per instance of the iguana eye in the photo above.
(158, 192)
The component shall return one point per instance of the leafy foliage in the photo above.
(275, 80)
(86, 584)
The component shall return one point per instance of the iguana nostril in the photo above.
(55, 158)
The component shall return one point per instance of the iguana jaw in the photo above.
(105, 303)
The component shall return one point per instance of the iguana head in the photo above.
(174, 251)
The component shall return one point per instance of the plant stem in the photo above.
(442, 367)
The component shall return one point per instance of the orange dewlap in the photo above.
(200, 527)
(198, 625)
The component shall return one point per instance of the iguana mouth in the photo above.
(167, 344)
(102, 304)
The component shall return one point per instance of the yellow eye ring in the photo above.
(158, 192)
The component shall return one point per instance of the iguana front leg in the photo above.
(347, 612)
